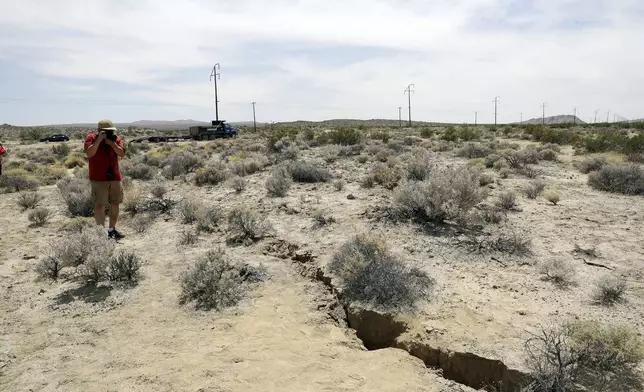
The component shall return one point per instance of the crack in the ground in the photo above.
(379, 330)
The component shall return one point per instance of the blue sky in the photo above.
(83, 60)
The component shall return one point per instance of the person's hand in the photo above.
(101, 136)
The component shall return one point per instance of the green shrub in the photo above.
(212, 175)
(591, 164)
(345, 136)
(278, 184)
(628, 180)
(245, 224)
(307, 172)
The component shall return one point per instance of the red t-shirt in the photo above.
(104, 158)
(2, 150)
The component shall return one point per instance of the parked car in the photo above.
(55, 138)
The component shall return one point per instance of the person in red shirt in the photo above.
(2, 152)
(104, 149)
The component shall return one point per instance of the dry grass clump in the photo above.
(584, 355)
(216, 282)
(279, 183)
(610, 290)
(29, 200)
(17, 180)
(591, 164)
(386, 176)
(308, 172)
(558, 271)
(181, 163)
(507, 200)
(159, 189)
(448, 194)
(75, 159)
(552, 196)
(77, 196)
(534, 189)
(212, 175)
(246, 225)
(473, 150)
(338, 184)
(373, 275)
(624, 179)
(237, 183)
(39, 217)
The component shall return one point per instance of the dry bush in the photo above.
(18, 180)
(181, 163)
(76, 225)
(473, 150)
(137, 169)
(505, 172)
(323, 218)
(534, 189)
(548, 155)
(159, 189)
(77, 196)
(75, 159)
(61, 150)
(278, 184)
(584, 356)
(558, 271)
(39, 217)
(486, 179)
(123, 266)
(245, 224)
(492, 159)
(591, 164)
(628, 180)
(381, 174)
(530, 171)
(212, 175)
(29, 200)
(610, 290)
(338, 185)
(331, 153)
(215, 282)
(308, 172)
(188, 237)
(448, 194)
(189, 210)
(141, 222)
(362, 159)
(552, 196)
(507, 200)
(208, 219)
(418, 165)
(373, 275)
(492, 215)
(237, 183)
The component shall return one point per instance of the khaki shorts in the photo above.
(107, 192)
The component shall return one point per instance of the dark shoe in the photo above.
(114, 234)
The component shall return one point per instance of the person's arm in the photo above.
(91, 146)
(117, 147)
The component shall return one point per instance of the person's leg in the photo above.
(115, 199)
(100, 197)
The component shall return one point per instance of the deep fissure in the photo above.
(379, 330)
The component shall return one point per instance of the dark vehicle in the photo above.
(55, 138)
(218, 129)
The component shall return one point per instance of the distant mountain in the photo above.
(562, 119)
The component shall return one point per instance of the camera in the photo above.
(109, 176)
(109, 135)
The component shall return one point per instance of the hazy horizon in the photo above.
(77, 62)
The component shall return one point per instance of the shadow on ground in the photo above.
(89, 293)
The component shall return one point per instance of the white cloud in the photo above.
(459, 54)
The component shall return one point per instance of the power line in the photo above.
(409, 92)
(496, 102)
(213, 76)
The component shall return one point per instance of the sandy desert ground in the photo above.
(63, 336)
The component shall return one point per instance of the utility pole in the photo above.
(496, 102)
(521, 118)
(409, 91)
(596, 113)
(476, 118)
(543, 113)
(608, 117)
(574, 119)
(399, 116)
(254, 119)
(213, 76)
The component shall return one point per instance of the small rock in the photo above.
(28, 257)
(351, 197)
(495, 287)
(42, 291)
(522, 312)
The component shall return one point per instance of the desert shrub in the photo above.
(181, 163)
(549, 146)
(245, 224)
(381, 174)
(215, 282)
(48, 268)
(141, 222)
(499, 165)
(382, 155)
(331, 153)
(426, 133)
(188, 237)
(76, 225)
(492, 215)
(628, 180)
(584, 355)
(307, 172)
(552, 196)
(558, 271)
(371, 274)
(635, 157)
(345, 136)
(467, 134)
(610, 290)
(278, 184)
(486, 179)
(189, 210)
(77, 196)
(29, 200)
(137, 169)
(530, 171)
(212, 175)
(363, 159)
(418, 165)
(505, 172)
(323, 218)
(123, 266)
(75, 159)
(237, 183)
(39, 217)
(450, 134)
(591, 164)
(491, 160)
(158, 190)
(473, 150)
(349, 151)
(548, 155)
(208, 219)
(338, 184)
(534, 189)
(507, 200)
(17, 181)
(61, 150)
(380, 135)
(447, 194)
